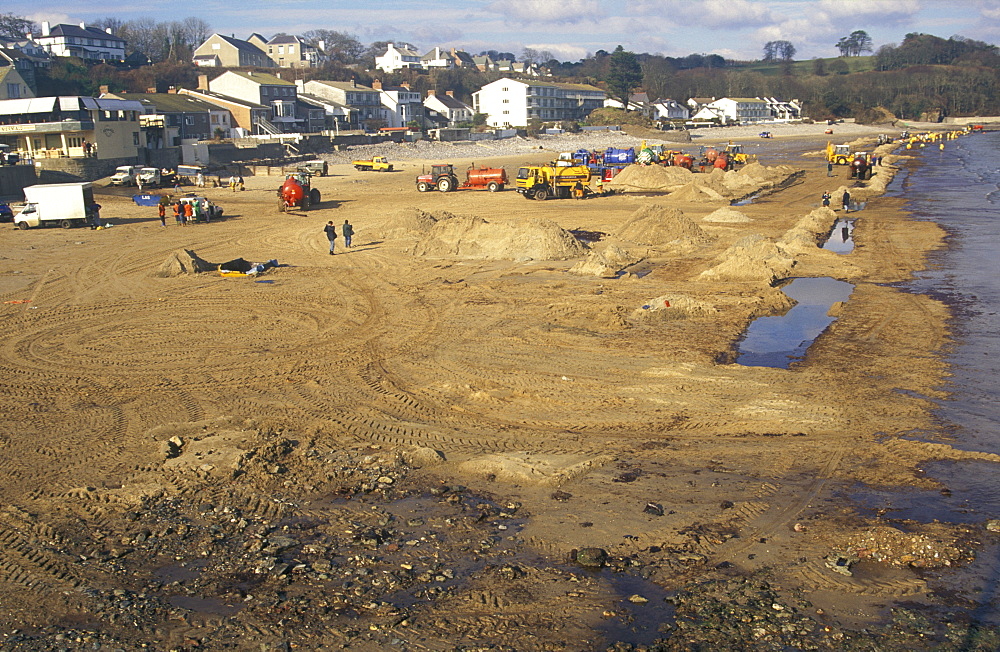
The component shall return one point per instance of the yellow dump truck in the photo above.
(838, 154)
(378, 164)
(543, 181)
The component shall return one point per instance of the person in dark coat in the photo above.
(331, 234)
(847, 201)
(348, 234)
(826, 198)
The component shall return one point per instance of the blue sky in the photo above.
(569, 29)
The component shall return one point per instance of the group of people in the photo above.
(845, 200)
(331, 234)
(236, 183)
(196, 210)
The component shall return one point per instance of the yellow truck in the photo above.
(377, 163)
(543, 181)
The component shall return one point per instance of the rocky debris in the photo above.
(992, 525)
(474, 237)
(934, 548)
(590, 557)
(673, 306)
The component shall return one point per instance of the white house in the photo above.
(670, 110)
(402, 104)
(438, 58)
(397, 58)
(744, 110)
(88, 43)
(350, 104)
(513, 102)
(449, 106)
(781, 110)
(638, 102)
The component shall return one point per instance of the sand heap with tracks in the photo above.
(753, 258)
(473, 237)
(182, 261)
(657, 225)
(712, 186)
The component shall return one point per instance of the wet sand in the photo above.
(378, 448)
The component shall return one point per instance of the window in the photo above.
(281, 49)
(13, 91)
(189, 120)
(263, 91)
(291, 49)
(135, 138)
(216, 46)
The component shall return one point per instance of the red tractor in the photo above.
(442, 176)
(861, 167)
(297, 192)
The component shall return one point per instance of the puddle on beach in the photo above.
(841, 237)
(746, 201)
(637, 623)
(778, 341)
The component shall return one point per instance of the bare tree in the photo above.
(16, 27)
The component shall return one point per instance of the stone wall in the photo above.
(69, 170)
(14, 178)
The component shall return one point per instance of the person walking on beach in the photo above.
(178, 212)
(162, 211)
(829, 168)
(826, 198)
(188, 214)
(348, 234)
(331, 233)
(847, 201)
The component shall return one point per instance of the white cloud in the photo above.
(715, 14)
(885, 11)
(561, 51)
(549, 11)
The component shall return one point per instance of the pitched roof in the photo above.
(346, 86)
(84, 32)
(450, 102)
(169, 102)
(212, 98)
(316, 100)
(284, 38)
(261, 78)
(240, 44)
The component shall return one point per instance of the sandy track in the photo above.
(524, 377)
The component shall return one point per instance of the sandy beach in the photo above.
(491, 424)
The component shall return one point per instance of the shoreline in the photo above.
(463, 416)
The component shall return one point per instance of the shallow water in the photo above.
(959, 188)
(841, 238)
(779, 341)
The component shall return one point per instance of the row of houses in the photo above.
(404, 57)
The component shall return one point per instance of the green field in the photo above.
(805, 67)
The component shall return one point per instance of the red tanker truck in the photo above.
(443, 178)
(297, 192)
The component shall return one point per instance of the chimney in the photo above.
(108, 30)
(377, 84)
(278, 75)
(321, 44)
(45, 28)
(450, 93)
(203, 82)
(83, 25)
(103, 88)
(172, 90)
(300, 84)
(354, 82)
(406, 85)
(151, 90)
(250, 73)
(431, 92)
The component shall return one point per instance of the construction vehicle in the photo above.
(736, 153)
(297, 192)
(62, 204)
(443, 177)
(682, 160)
(377, 163)
(838, 154)
(861, 167)
(543, 181)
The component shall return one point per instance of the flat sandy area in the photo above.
(407, 444)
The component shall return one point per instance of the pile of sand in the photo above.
(606, 264)
(695, 192)
(805, 236)
(474, 237)
(726, 214)
(408, 222)
(183, 261)
(752, 258)
(650, 178)
(657, 224)
(674, 306)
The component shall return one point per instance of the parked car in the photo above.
(6, 214)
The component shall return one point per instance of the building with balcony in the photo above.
(170, 118)
(267, 90)
(513, 102)
(87, 43)
(402, 104)
(72, 127)
(348, 105)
